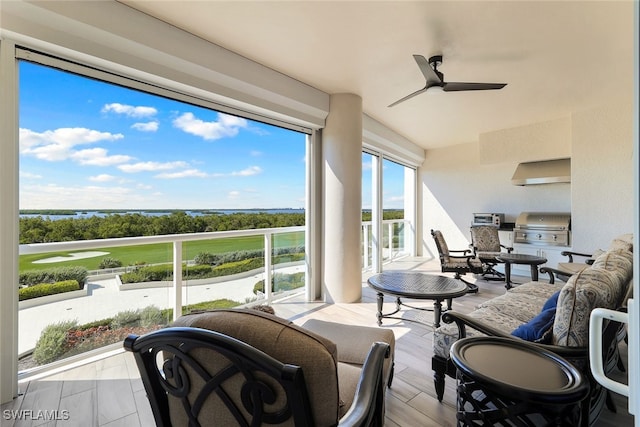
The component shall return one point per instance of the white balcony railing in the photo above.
(393, 241)
(102, 304)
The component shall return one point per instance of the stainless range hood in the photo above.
(542, 172)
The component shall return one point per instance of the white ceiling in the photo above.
(555, 56)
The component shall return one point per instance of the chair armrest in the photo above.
(550, 271)
(570, 254)
(462, 256)
(508, 248)
(368, 403)
(464, 251)
(463, 320)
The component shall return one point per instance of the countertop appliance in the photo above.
(543, 228)
(494, 219)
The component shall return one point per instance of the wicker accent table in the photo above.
(503, 381)
(416, 285)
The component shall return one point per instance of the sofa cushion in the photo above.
(540, 289)
(620, 262)
(624, 241)
(519, 306)
(447, 334)
(537, 328)
(552, 302)
(584, 291)
(287, 343)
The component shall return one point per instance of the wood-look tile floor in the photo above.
(109, 392)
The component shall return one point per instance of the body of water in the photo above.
(98, 213)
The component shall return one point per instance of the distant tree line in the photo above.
(42, 229)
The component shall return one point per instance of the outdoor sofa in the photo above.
(562, 326)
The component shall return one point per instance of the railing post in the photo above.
(365, 246)
(390, 226)
(177, 279)
(267, 267)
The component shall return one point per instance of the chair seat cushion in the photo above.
(354, 342)
(348, 377)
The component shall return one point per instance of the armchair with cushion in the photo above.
(245, 367)
(564, 270)
(457, 261)
(485, 241)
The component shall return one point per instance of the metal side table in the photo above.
(504, 381)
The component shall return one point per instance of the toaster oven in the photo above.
(494, 219)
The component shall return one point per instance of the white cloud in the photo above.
(57, 145)
(251, 170)
(102, 178)
(255, 153)
(189, 173)
(225, 126)
(146, 127)
(129, 110)
(29, 175)
(151, 166)
(74, 197)
(234, 194)
(98, 157)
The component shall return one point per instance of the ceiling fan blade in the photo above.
(457, 86)
(429, 74)
(418, 92)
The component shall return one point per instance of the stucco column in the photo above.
(342, 154)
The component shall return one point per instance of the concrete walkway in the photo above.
(104, 300)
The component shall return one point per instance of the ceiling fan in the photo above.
(436, 79)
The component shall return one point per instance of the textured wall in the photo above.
(602, 170)
(457, 181)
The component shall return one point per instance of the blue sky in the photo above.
(86, 144)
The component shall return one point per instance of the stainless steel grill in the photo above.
(543, 228)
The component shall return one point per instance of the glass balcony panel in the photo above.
(288, 266)
(222, 273)
(113, 301)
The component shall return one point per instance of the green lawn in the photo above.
(162, 252)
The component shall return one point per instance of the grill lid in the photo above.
(544, 221)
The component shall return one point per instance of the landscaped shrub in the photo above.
(66, 339)
(209, 305)
(108, 262)
(158, 273)
(196, 272)
(238, 267)
(126, 318)
(52, 342)
(43, 289)
(152, 273)
(53, 275)
(206, 258)
(286, 282)
(151, 316)
(279, 259)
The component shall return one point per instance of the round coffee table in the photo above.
(508, 259)
(503, 381)
(416, 285)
